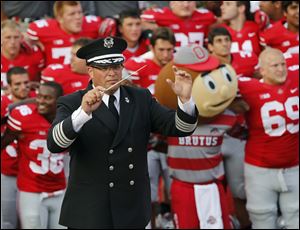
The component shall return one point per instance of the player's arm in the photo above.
(33, 33)
(239, 106)
(3, 120)
(8, 137)
(130, 68)
(28, 44)
(149, 25)
(239, 131)
(22, 102)
(3, 114)
(17, 112)
(108, 27)
(256, 74)
(149, 19)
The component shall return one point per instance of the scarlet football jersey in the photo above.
(292, 60)
(57, 42)
(279, 37)
(39, 170)
(292, 63)
(273, 122)
(62, 74)
(261, 19)
(9, 155)
(244, 63)
(33, 63)
(187, 31)
(141, 49)
(6, 100)
(147, 76)
(247, 39)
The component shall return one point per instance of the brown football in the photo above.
(163, 92)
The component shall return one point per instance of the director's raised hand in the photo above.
(182, 86)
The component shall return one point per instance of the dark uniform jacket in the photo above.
(108, 183)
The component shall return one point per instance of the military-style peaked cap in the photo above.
(103, 52)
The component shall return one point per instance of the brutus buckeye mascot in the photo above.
(195, 162)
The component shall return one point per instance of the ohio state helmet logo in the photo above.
(200, 54)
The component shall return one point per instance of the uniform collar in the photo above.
(105, 97)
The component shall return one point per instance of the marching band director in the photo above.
(106, 130)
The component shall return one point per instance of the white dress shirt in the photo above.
(79, 117)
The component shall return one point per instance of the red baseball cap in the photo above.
(195, 57)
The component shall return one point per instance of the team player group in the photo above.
(256, 171)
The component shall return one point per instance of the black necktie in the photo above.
(112, 108)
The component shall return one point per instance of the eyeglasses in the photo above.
(107, 68)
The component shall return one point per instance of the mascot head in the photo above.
(214, 85)
(193, 59)
(213, 91)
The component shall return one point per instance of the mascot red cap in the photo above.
(192, 59)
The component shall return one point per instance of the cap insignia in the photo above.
(108, 42)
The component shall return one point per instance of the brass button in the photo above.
(111, 151)
(131, 182)
(130, 149)
(111, 168)
(130, 166)
(111, 184)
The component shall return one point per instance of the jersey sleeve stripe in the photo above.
(47, 78)
(41, 65)
(14, 121)
(32, 37)
(31, 32)
(13, 126)
(147, 16)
